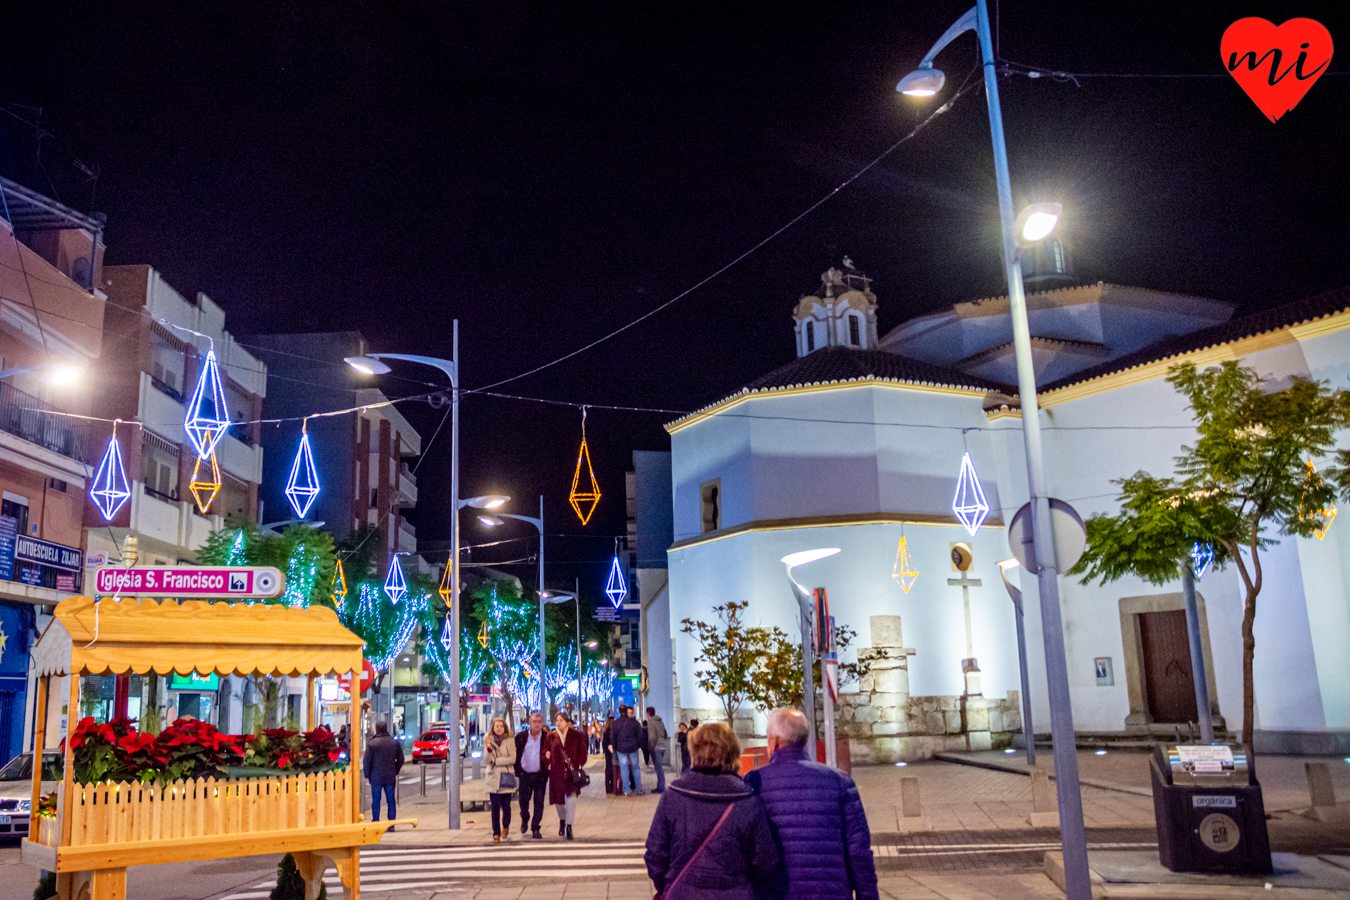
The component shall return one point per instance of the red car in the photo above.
(432, 746)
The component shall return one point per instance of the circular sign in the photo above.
(1066, 526)
(265, 581)
(367, 678)
(1219, 832)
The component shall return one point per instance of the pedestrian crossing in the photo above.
(389, 869)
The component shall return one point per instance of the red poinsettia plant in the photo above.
(196, 749)
(279, 748)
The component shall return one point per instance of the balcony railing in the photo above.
(27, 417)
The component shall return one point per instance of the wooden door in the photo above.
(1168, 683)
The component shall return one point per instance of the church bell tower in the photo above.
(842, 313)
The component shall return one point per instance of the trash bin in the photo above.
(1209, 810)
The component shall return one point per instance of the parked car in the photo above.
(432, 746)
(16, 790)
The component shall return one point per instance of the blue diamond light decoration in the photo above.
(207, 414)
(1201, 557)
(303, 485)
(394, 583)
(446, 637)
(616, 589)
(969, 504)
(110, 489)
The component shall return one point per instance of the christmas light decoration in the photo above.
(339, 584)
(395, 585)
(616, 589)
(303, 485)
(1326, 515)
(582, 501)
(901, 572)
(969, 503)
(483, 636)
(208, 416)
(444, 590)
(1201, 557)
(446, 637)
(109, 489)
(204, 489)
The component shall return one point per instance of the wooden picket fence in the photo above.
(112, 813)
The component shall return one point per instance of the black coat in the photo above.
(741, 854)
(384, 759)
(521, 738)
(626, 735)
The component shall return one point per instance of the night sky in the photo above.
(547, 172)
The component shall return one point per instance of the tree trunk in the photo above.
(1248, 655)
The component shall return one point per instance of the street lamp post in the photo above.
(1028, 733)
(805, 602)
(563, 597)
(539, 524)
(1037, 224)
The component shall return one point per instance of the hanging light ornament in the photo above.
(444, 590)
(1201, 557)
(208, 416)
(584, 502)
(616, 590)
(303, 485)
(483, 636)
(901, 572)
(394, 583)
(1326, 515)
(446, 637)
(205, 485)
(339, 585)
(969, 503)
(110, 489)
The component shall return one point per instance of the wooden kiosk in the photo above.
(101, 829)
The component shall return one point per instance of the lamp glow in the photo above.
(303, 485)
(110, 488)
(366, 365)
(208, 416)
(395, 585)
(923, 82)
(969, 503)
(616, 590)
(1035, 223)
(62, 373)
(1038, 226)
(801, 558)
(489, 521)
(901, 572)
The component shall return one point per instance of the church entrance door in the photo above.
(1168, 680)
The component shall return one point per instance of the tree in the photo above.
(1249, 471)
(777, 680)
(729, 654)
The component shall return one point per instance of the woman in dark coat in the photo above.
(741, 852)
(564, 753)
(610, 767)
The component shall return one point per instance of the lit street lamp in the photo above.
(563, 597)
(1028, 733)
(538, 523)
(1035, 224)
(805, 606)
(52, 372)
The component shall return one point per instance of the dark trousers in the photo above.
(532, 784)
(501, 813)
(609, 772)
(388, 790)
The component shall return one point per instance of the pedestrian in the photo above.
(817, 818)
(566, 754)
(532, 774)
(657, 739)
(384, 759)
(625, 738)
(593, 738)
(501, 778)
(710, 838)
(611, 766)
(643, 740)
(683, 740)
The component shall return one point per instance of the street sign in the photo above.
(195, 582)
(367, 678)
(1065, 524)
(607, 614)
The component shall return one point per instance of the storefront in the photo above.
(17, 632)
(193, 695)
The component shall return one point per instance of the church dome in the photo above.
(842, 312)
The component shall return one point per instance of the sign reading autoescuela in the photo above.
(46, 553)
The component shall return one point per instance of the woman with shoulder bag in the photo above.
(710, 838)
(566, 755)
(501, 778)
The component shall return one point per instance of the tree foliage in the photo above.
(777, 680)
(1248, 476)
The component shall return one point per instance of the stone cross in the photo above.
(968, 666)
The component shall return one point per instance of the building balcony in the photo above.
(407, 486)
(173, 522)
(407, 538)
(26, 417)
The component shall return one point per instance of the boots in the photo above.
(562, 828)
(569, 832)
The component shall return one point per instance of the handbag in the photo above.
(506, 780)
(701, 847)
(578, 777)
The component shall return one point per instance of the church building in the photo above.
(858, 444)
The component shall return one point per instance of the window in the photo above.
(1058, 249)
(710, 504)
(58, 485)
(810, 336)
(16, 508)
(159, 466)
(853, 336)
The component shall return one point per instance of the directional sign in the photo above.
(367, 678)
(197, 582)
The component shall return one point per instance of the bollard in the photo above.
(478, 767)
(911, 809)
(1323, 793)
(424, 779)
(445, 783)
(1044, 806)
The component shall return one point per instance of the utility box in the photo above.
(1209, 810)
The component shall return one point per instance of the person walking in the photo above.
(384, 759)
(611, 766)
(532, 774)
(710, 838)
(682, 738)
(817, 818)
(657, 740)
(643, 743)
(625, 738)
(566, 754)
(501, 778)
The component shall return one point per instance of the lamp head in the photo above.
(557, 596)
(924, 81)
(487, 501)
(1007, 565)
(366, 365)
(801, 558)
(591, 645)
(62, 373)
(1035, 223)
(489, 521)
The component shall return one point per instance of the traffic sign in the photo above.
(1066, 527)
(196, 582)
(367, 678)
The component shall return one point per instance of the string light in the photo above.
(969, 503)
(616, 589)
(204, 490)
(1326, 515)
(206, 428)
(1201, 557)
(579, 499)
(303, 485)
(110, 488)
(901, 572)
(395, 585)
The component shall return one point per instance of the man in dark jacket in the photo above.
(817, 818)
(384, 759)
(532, 773)
(625, 737)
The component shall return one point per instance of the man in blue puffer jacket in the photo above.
(817, 819)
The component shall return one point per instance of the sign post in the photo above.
(829, 673)
(191, 582)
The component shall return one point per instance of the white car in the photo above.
(16, 790)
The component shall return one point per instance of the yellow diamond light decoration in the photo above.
(901, 572)
(583, 501)
(204, 488)
(445, 590)
(339, 584)
(483, 636)
(1327, 515)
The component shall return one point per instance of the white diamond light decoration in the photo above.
(207, 414)
(446, 638)
(969, 504)
(303, 485)
(1201, 557)
(394, 583)
(616, 589)
(110, 489)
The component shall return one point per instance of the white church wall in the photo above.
(919, 461)
(717, 447)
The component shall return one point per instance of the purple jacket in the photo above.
(818, 821)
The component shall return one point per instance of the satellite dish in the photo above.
(1068, 530)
